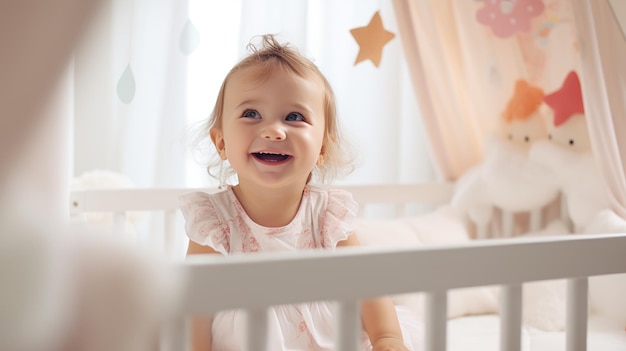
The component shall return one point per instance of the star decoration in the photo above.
(567, 101)
(371, 39)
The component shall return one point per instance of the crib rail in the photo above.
(257, 282)
(154, 199)
(436, 268)
(119, 204)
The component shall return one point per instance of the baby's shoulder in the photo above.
(336, 211)
(215, 204)
(331, 200)
(206, 218)
(319, 191)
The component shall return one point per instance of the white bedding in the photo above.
(474, 324)
(481, 333)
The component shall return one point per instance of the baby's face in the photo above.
(272, 130)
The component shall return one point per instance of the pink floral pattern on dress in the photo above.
(274, 231)
(305, 239)
(324, 217)
(303, 331)
(333, 220)
(248, 242)
(507, 17)
(219, 221)
(327, 228)
(219, 232)
(203, 221)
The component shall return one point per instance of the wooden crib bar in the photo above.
(348, 325)
(511, 317)
(256, 329)
(436, 270)
(119, 222)
(436, 320)
(576, 323)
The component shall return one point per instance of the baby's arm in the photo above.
(200, 325)
(379, 317)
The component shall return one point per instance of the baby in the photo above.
(275, 123)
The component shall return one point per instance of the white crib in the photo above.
(508, 262)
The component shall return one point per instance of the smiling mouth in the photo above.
(270, 157)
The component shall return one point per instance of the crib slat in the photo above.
(535, 220)
(564, 215)
(482, 231)
(507, 224)
(348, 325)
(511, 318)
(257, 330)
(174, 336)
(400, 210)
(169, 240)
(436, 324)
(576, 325)
(119, 223)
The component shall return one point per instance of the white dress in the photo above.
(324, 218)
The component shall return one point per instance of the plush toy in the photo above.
(568, 154)
(507, 178)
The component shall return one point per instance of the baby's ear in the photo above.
(320, 158)
(218, 140)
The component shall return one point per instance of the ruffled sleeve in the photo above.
(203, 224)
(337, 219)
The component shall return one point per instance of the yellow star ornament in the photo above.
(371, 39)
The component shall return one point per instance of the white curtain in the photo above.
(130, 92)
(463, 74)
(604, 87)
(376, 105)
(180, 51)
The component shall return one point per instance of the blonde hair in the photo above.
(270, 55)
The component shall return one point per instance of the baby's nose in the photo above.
(274, 133)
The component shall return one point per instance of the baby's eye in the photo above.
(251, 114)
(295, 116)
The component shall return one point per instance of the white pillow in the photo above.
(438, 227)
(543, 302)
(607, 295)
(443, 227)
(391, 233)
(385, 233)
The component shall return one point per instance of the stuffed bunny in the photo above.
(568, 154)
(507, 178)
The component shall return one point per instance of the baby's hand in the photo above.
(389, 344)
